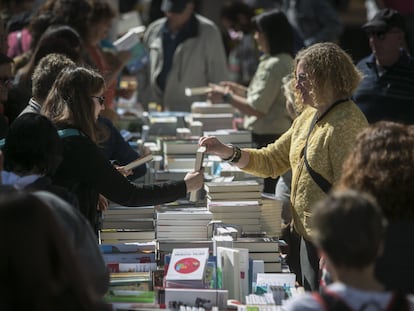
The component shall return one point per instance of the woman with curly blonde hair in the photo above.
(382, 163)
(314, 147)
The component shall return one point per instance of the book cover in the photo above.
(187, 264)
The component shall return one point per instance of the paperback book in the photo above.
(187, 267)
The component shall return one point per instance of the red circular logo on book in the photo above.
(187, 265)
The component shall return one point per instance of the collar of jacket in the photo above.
(189, 30)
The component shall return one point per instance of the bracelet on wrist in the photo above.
(236, 155)
(232, 155)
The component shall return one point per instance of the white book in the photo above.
(254, 195)
(142, 160)
(187, 264)
(228, 262)
(233, 186)
(197, 167)
(130, 39)
(184, 213)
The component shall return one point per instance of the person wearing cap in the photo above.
(386, 91)
(185, 50)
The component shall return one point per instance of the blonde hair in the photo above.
(293, 107)
(330, 71)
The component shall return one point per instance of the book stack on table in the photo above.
(133, 224)
(237, 203)
(131, 266)
(182, 223)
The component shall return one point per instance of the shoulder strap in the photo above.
(330, 301)
(321, 181)
(69, 132)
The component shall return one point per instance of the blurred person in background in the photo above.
(386, 92)
(263, 103)
(185, 50)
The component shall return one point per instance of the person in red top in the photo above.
(108, 64)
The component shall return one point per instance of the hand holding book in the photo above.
(126, 170)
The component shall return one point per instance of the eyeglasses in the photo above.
(6, 81)
(380, 34)
(101, 99)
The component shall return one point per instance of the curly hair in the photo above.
(69, 102)
(46, 72)
(330, 71)
(382, 164)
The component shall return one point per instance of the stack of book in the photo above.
(208, 107)
(271, 216)
(179, 158)
(237, 203)
(187, 223)
(263, 248)
(241, 138)
(123, 224)
(244, 215)
(130, 291)
(213, 121)
(226, 169)
(131, 266)
(129, 257)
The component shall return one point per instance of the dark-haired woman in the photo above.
(263, 102)
(74, 104)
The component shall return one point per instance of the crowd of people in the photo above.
(334, 139)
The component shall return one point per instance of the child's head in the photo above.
(348, 227)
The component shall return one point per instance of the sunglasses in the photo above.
(380, 34)
(101, 99)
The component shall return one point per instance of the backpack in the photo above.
(331, 301)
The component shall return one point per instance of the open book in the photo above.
(131, 41)
(197, 166)
(138, 162)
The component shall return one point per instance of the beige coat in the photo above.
(197, 61)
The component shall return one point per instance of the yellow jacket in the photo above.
(328, 146)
